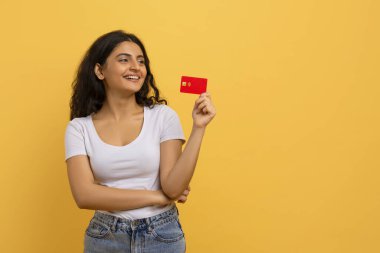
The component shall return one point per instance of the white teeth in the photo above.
(132, 77)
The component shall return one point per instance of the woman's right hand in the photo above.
(164, 200)
(182, 199)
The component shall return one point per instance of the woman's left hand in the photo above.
(203, 111)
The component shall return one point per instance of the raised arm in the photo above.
(90, 195)
(177, 167)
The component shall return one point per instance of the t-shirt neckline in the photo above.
(139, 136)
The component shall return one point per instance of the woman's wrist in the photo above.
(199, 128)
(160, 198)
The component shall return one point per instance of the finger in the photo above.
(202, 105)
(203, 110)
(208, 104)
(199, 109)
(186, 192)
(205, 107)
(206, 99)
(198, 101)
(182, 198)
(201, 98)
(206, 93)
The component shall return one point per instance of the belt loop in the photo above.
(113, 228)
(148, 224)
(148, 221)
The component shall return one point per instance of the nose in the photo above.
(134, 65)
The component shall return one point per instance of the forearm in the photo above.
(99, 197)
(180, 175)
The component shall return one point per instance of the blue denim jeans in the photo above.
(110, 234)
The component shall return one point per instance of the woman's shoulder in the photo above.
(162, 109)
(163, 112)
(80, 122)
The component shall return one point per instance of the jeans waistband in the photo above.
(113, 221)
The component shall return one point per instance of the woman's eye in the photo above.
(142, 62)
(123, 60)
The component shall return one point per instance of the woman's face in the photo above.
(124, 69)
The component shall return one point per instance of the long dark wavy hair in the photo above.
(88, 91)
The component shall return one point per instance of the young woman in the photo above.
(124, 150)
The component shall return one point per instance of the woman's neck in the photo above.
(119, 109)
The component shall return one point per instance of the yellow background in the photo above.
(291, 162)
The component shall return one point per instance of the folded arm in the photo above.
(90, 195)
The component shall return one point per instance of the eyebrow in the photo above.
(129, 55)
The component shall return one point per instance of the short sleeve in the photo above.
(74, 140)
(172, 128)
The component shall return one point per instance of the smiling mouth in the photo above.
(132, 77)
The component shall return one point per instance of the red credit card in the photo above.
(194, 85)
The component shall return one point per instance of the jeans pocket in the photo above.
(97, 229)
(168, 232)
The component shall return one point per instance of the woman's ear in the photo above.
(98, 71)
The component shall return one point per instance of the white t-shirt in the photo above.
(133, 166)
